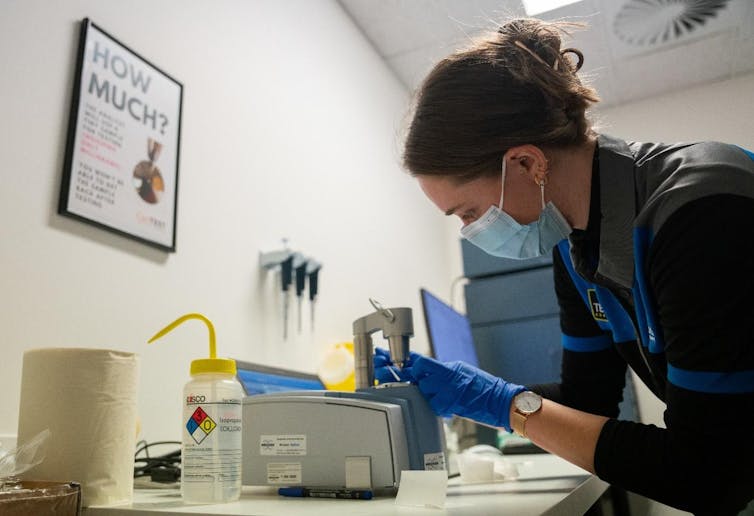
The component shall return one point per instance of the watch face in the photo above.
(528, 402)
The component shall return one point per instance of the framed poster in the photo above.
(121, 160)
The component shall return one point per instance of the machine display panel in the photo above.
(259, 379)
(448, 330)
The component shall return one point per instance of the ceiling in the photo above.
(632, 49)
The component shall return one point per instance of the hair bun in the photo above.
(577, 53)
(517, 85)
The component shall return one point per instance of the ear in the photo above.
(529, 160)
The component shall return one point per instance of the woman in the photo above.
(653, 253)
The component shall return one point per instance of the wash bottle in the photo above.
(211, 443)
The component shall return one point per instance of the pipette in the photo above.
(286, 275)
(282, 258)
(312, 271)
(299, 266)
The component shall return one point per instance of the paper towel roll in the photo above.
(87, 398)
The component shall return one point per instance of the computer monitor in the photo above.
(260, 379)
(448, 330)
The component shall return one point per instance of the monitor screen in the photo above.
(448, 330)
(259, 379)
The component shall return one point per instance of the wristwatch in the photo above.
(524, 405)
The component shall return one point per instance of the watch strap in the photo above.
(518, 422)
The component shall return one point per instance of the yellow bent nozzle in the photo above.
(202, 365)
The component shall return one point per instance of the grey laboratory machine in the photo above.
(352, 440)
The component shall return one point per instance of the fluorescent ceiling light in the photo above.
(533, 7)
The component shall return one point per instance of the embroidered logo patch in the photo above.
(597, 312)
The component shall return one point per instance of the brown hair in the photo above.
(513, 87)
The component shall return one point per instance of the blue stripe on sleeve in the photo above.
(586, 344)
(646, 316)
(579, 282)
(733, 382)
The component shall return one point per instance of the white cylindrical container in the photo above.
(86, 398)
(211, 452)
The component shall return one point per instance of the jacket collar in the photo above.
(618, 206)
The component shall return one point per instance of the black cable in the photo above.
(161, 468)
(145, 447)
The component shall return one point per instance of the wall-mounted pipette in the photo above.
(299, 269)
(283, 259)
(312, 272)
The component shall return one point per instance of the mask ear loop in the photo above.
(502, 186)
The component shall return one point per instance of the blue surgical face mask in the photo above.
(498, 234)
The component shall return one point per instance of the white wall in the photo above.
(290, 129)
(716, 111)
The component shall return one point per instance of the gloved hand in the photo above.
(383, 364)
(461, 389)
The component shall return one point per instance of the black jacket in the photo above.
(669, 257)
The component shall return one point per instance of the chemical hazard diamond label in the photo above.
(200, 425)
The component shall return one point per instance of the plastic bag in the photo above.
(21, 459)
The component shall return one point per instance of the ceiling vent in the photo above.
(649, 23)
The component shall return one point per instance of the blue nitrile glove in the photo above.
(383, 364)
(461, 389)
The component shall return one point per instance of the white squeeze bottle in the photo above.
(211, 426)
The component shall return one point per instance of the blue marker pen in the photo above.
(350, 494)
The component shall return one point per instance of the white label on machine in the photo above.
(286, 445)
(434, 461)
(284, 473)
